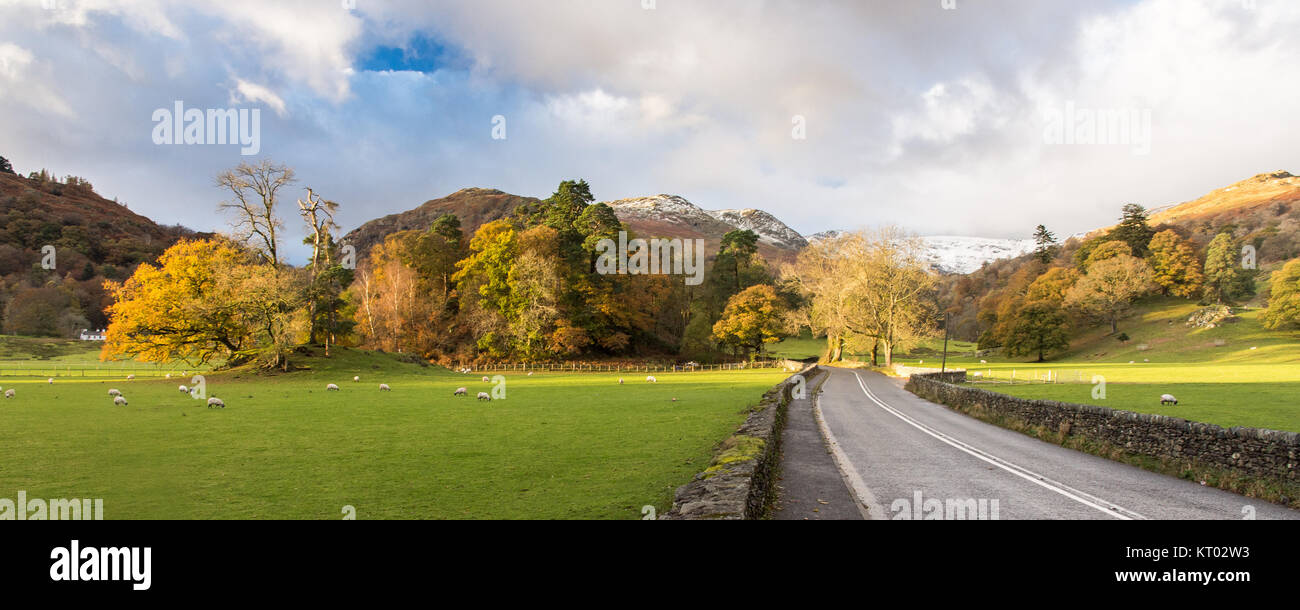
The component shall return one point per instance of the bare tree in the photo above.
(319, 215)
(254, 189)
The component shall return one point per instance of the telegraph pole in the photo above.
(944, 367)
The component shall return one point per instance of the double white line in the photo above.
(1110, 508)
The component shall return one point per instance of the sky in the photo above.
(945, 117)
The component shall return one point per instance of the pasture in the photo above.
(1236, 374)
(559, 446)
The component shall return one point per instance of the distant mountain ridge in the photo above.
(668, 216)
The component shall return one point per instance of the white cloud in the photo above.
(25, 81)
(253, 93)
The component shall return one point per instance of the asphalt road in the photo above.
(895, 449)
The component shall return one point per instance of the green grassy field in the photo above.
(559, 446)
(49, 357)
(1237, 374)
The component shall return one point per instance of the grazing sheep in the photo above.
(356, 378)
(484, 396)
(119, 401)
(216, 403)
(486, 379)
(651, 379)
(1168, 398)
(167, 376)
(184, 390)
(984, 361)
(383, 387)
(331, 388)
(128, 378)
(51, 381)
(461, 392)
(114, 393)
(530, 374)
(9, 393)
(620, 381)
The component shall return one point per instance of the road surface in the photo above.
(905, 456)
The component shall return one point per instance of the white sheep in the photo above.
(216, 403)
(114, 393)
(184, 390)
(167, 376)
(461, 392)
(620, 381)
(651, 379)
(9, 393)
(530, 374)
(486, 379)
(984, 361)
(128, 378)
(51, 381)
(356, 378)
(119, 401)
(484, 396)
(383, 387)
(331, 388)
(1168, 398)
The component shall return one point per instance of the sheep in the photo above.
(1168, 398)
(530, 374)
(383, 387)
(167, 376)
(50, 381)
(461, 392)
(486, 379)
(128, 378)
(216, 403)
(114, 393)
(651, 379)
(119, 401)
(620, 381)
(484, 396)
(331, 388)
(984, 361)
(9, 393)
(356, 378)
(184, 390)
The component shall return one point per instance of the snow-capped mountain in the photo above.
(674, 216)
(768, 227)
(960, 254)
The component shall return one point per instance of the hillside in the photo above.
(658, 216)
(94, 239)
(1273, 189)
(34, 213)
(474, 206)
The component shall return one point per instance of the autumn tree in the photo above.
(867, 290)
(1108, 289)
(754, 317)
(180, 309)
(1284, 298)
(254, 191)
(1174, 265)
(1226, 278)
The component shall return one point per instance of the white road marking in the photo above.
(866, 502)
(1110, 508)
